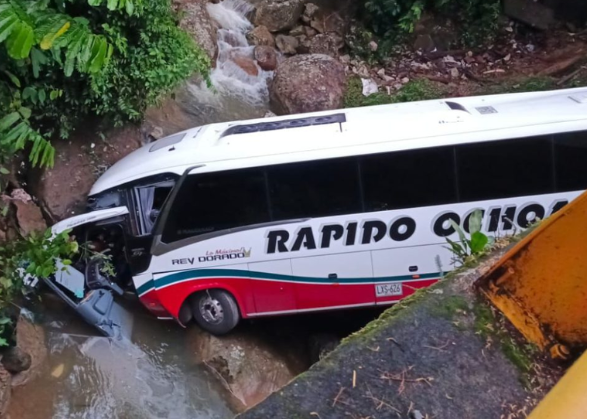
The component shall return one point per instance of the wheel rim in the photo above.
(211, 310)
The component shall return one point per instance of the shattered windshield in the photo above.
(150, 200)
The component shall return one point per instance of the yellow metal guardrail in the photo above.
(568, 398)
(541, 284)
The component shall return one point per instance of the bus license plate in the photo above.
(389, 289)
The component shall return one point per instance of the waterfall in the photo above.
(239, 87)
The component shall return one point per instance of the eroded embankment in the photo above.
(442, 353)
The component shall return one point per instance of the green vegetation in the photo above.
(61, 61)
(528, 84)
(519, 354)
(413, 91)
(34, 255)
(469, 249)
(476, 21)
(451, 307)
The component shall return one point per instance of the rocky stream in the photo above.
(280, 56)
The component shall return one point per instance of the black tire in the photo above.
(215, 311)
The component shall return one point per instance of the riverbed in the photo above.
(151, 375)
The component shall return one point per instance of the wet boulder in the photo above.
(246, 64)
(62, 190)
(260, 35)
(266, 57)
(196, 20)
(31, 352)
(308, 83)
(16, 360)
(278, 15)
(250, 368)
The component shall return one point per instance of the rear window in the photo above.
(570, 150)
(504, 169)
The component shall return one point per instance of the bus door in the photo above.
(399, 272)
(337, 280)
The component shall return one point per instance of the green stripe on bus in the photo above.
(222, 273)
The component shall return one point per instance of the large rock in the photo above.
(287, 44)
(535, 14)
(197, 22)
(30, 339)
(5, 382)
(260, 35)
(170, 116)
(28, 215)
(266, 57)
(62, 190)
(16, 360)
(327, 43)
(324, 21)
(308, 83)
(278, 15)
(248, 366)
(247, 64)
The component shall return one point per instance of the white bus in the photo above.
(329, 210)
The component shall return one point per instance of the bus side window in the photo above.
(505, 168)
(217, 201)
(570, 153)
(407, 179)
(314, 189)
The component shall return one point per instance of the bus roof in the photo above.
(347, 132)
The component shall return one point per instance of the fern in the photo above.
(25, 26)
(36, 34)
(16, 132)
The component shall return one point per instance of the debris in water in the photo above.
(58, 371)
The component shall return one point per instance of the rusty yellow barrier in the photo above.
(541, 284)
(568, 398)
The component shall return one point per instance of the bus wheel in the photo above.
(215, 311)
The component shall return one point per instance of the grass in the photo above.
(451, 307)
(415, 90)
(521, 85)
(422, 89)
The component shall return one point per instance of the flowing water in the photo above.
(234, 93)
(154, 375)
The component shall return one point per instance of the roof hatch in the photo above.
(337, 118)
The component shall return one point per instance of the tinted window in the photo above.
(570, 152)
(314, 189)
(217, 201)
(409, 179)
(503, 169)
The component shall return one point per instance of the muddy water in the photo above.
(86, 376)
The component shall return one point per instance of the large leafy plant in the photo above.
(469, 248)
(61, 61)
(35, 35)
(33, 255)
